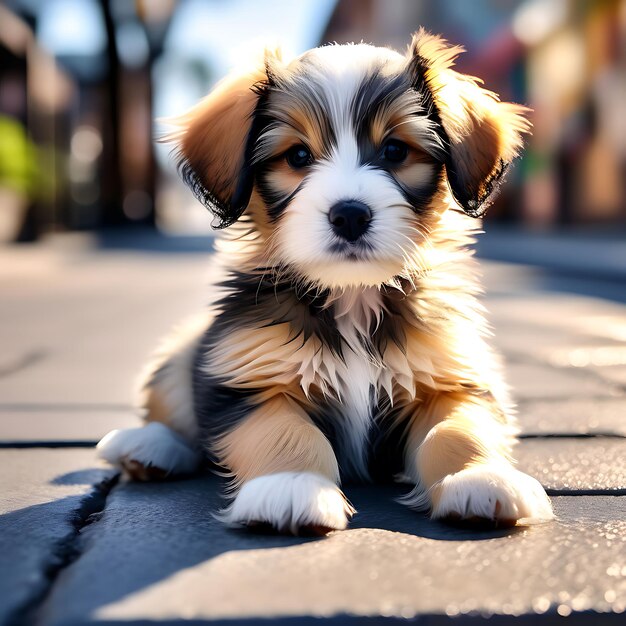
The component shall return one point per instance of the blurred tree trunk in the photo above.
(112, 188)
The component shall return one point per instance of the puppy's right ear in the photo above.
(215, 141)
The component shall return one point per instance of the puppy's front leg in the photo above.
(459, 452)
(285, 471)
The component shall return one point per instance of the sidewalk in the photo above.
(590, 253)
(78, 546)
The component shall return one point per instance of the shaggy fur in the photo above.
(325, 357)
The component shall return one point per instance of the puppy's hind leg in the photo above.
(150, 452)
(167, 444)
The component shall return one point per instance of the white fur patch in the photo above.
(289, 501)
(356, 310)
(153, 445)
(475, 492)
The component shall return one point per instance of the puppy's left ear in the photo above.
(215, 140)
(483, 135)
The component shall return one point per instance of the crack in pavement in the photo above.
(66, 551)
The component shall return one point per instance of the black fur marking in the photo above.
(477, 207)
(258, 300)
(474, 207)
(376, 91)
(384, 448)
(419, 197)
(387, 439)
(299, 91)
(275, 201)
(218, 407)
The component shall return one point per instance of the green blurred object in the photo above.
(18, 158)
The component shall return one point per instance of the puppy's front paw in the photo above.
(492, 494)
(290, 502)
(151, 452)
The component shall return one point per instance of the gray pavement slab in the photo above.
(71, 423)
(77, 325)
(44, 494)
(575, 465)
(158, 555)
(556, 346)
(534, 381)
(580, 416)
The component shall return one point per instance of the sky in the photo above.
(219, 33)
(222, 31)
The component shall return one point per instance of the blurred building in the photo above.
(566, 59)
(76, 86)
(81, 82)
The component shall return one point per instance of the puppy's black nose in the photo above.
(350, 219)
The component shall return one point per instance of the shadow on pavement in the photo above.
(151, 532)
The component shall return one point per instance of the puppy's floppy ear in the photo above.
(483, 134)
(215, 141)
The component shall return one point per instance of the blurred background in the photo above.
(82, 81)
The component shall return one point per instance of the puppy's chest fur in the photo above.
(359, 374)
(374, 374)
(350, 359)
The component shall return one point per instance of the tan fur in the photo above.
(450, 432)
(279, 436)
(212, 136)
(165, 383)
(157, 407)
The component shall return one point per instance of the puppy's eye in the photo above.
(299, 157)
(395, 151)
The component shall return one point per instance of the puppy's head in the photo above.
(343, 158)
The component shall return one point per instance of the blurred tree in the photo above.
(112, 191)
(129, 177)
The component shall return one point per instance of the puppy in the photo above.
(346, 341)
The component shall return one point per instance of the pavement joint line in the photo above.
(92, 443)
(621, 491)
(595, 435)
(21, 445)
(529, 402)
(556, 399)
(73, 407)
(67, 550)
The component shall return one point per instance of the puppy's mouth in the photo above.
(359, 250)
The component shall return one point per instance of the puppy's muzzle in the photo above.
(350, 219)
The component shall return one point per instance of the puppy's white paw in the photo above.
(496, 493)
(294, 502)
(153, 451)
